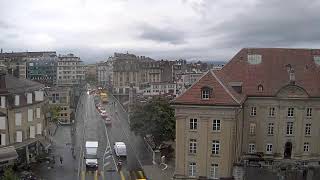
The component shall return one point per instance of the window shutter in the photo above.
(19, 136)
(18, 119)
(3, 123)
(3, 102)
(32, 132)
(17, 100)
(29, 98)
(39, 128)
(38, 112)
(3, 139)
(39, 95)
(30, 114)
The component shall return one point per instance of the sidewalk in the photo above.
(61, 146)
(155, 172)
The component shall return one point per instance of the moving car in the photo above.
(91, 155)
(104, 114)
(120, 149)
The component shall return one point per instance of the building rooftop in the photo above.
(259, 72)
(10, 84)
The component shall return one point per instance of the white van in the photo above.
(120, 149)
(91, 155)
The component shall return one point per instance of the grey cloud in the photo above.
(272, 23)
(168, 35)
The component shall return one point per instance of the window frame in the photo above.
(309, 112)
(290, 112)
(270, 130)
(192, 169)
(215, 147)
(214, 171)
(252, 128)
(306, 147)
(289, 128)
(205, 94)
(216, 125)
(192, 146)
(307, 129)
(251, 148)
(272, 111)
(194, 124)
(269, 148)
(253, 111)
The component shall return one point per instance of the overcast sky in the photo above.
(168, 29)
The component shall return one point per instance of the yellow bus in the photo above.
(137, 175)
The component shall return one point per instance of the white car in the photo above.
(120, 149)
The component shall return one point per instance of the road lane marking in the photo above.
(122, 176)
(95, 175)
(83, 175)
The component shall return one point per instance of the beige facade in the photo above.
(261, 108)
(22, 117)
(60, 97)
(205, 135)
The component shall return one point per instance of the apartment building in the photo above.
(263, 106)
(15, 63)
(129, 69)
(156, 89)
(70, 70)
(60, 96)
(104, 73)
(22, 119)
(43, 69)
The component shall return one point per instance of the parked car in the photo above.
(104, 114)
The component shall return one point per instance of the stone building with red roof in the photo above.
(263, 105)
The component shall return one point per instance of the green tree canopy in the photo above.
(54, 112)
(9, 174)
(156, 118)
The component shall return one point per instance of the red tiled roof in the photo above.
(272, 73)
(221, 95)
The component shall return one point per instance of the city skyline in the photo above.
(190, 29)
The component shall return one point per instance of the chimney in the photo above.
(292, 76)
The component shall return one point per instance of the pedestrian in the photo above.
(61, 159)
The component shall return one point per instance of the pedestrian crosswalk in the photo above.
(96, 175)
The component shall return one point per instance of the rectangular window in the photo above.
(3, 102)
(30, 115)
(38, 95)
(193, 146)
(252, 148)
(306, 147)
(289, 128)
(215, 147)
(193, 123)
(29, 98)
(192, 171)
(269, 149)
(18, 119)
(290, 112)
(216, 125)
(16, 100)
(309, 112)
(39, 128)
(3, 139)
(272, 111)
(3, 122)
(270, 128)
(252, 129)
(205, 94)
(253, 111)
(32, 132)
(307, 131)
(38, 112)
(18, 136)
(214, 171)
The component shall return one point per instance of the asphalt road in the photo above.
(90, 126)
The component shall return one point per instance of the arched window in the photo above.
(206, 92)
(260, 88)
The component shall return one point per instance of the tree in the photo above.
(9, 174)
(54, 112)
(155, 118)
